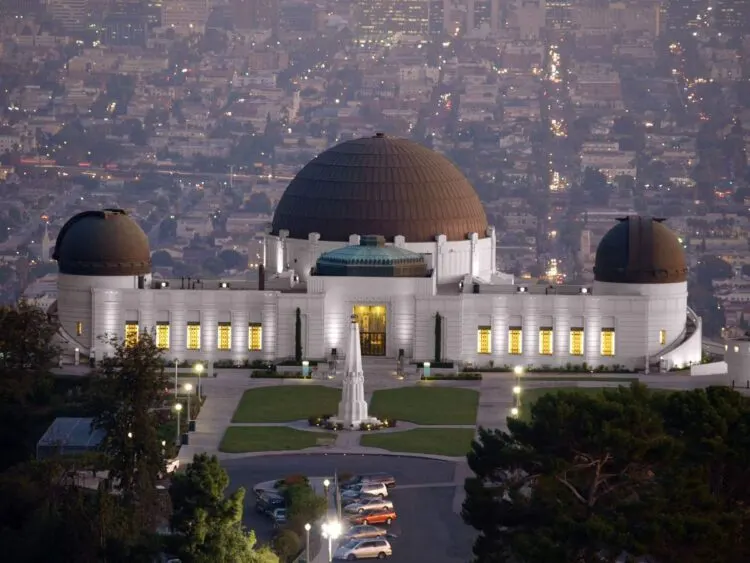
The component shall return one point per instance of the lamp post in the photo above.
(307, 542)
(178, 408)
(514, 411)
(517, 395)
(332, 532)
(326, 484)
(188, 391)
(176, 367)
(198, 371)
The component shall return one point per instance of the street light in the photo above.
(198, 371)
(307, 542)
(514, 411)
(331, 531)
(188, 389)
(326, 484)
(176, 367)
(178, 408)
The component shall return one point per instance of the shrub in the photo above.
(463, 376)
(286, 544)
(314, 420)
(366, 426)
(330, 425)
(303, 505)
(437, 365)
(390, 423)
(222, 364)
(267, 374)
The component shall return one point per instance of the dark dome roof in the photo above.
(371, 258)
(380, 185)
(640, 250)
(102, 243)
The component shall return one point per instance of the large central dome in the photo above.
(384, 186)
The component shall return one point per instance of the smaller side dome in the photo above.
(640, 250)
(371, 258)
(102, 243)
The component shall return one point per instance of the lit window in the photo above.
(194, 336)
(545, 341)
(255, 337)
(225, 336)
(515, 340)
(484, 340)
(663, 337)
(79, 328)
(608, 342)
(131, 333)
(576, 341)
(162, 336)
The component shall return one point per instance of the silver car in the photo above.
(362, 532)
(377, 548)
(365, 504)
(365, 490)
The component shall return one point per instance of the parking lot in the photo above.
(427, 529)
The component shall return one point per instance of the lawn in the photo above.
(243, 439)
(285, 403)
(437, 441)
(426, 405)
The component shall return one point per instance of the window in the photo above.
(79, 328)
(131, 333)
(484, 340)
(255, 337)
(545, 341)
(608, 342)
(162, 336)
(663, 337)
(194, 336)
(225, 336)
(515, 342)
(576, 341)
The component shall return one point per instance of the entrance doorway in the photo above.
(372, 323)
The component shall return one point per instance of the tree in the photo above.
(298, 335)
(233, 260)
(207, 525)
(128, 393)
(591, 478)
(258, 203)
(213, 265)
(162, 258)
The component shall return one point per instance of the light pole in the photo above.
(307, 542)
(178, 408)
(188, 391)
(331, 531)
(326, 484)
(198, 371)
(517, 395)
(176, 367)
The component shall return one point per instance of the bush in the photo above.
(289, 363)
(223, 364)
(267, 374)
(389, 423)
(463, 376)
(287, 545)
(303, 505)
(330, 425)
(292, 480)
(367, 426)
(438, 365)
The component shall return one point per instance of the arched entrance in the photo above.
(372, 328)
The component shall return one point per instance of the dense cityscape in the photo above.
(571, 214)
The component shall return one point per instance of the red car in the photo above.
(379, 516)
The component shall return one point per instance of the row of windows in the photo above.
(576, 342)
(193, 338)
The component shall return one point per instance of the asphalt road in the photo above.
(427, 530)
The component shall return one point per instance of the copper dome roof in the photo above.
(380, 185)
(102, 243)
(640, 250)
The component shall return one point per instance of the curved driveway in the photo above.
(427, 528)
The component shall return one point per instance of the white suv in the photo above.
(377, 548)
(365, 490)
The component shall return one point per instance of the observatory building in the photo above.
(392, 232)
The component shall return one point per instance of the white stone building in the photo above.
(392, 232)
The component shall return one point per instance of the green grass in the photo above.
(243, 439)
(286, 402)
(426, 405)
(437, 441)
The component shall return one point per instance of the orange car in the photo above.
(378, 516)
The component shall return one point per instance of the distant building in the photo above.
(185, 16)
(125, 29)
(684, 14)
(73, 15)
(731, 16)
(385, 18)
(254, 14)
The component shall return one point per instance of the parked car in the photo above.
(279, 517)
(365, 490)
(379, 516)
(266, 503)
(377, 548)
(363, 532)
(384, 478)
(366, 504)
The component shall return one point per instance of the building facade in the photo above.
(391, 232)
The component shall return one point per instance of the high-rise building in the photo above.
(684, 14)
(384, 18)
(73, 15)
(185, 16)
(438, 10)
(483, 14)
(731, 16)
(559, 14)
(296, 15)
(125, 29)
(254, 14)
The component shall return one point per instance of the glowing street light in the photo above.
(307, 542)
(514, 411)
(188, 391)
(198, 371)
(331, 531)
(178, 408)
(517, 390)
(326, 484)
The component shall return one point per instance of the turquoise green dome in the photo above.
(371, 258)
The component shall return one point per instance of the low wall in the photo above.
(714, 368)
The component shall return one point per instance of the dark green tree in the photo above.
(438, 337)
(298, 335)
(207, 524)
(129, 392)
(162, 258)
(233, 260)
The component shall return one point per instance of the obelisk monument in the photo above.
(353, 407)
